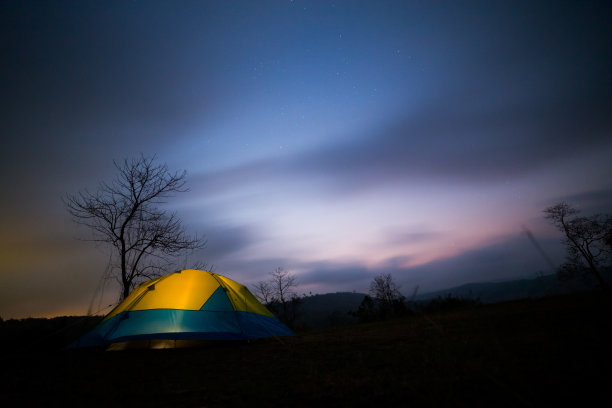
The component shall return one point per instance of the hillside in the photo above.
(542, 352)
(330, 309)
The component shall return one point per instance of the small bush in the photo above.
(372, 309)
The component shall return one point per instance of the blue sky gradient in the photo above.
(335, 139)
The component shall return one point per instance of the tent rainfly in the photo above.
(185, 306)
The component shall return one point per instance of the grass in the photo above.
(522, 353)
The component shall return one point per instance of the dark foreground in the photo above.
(524, 353)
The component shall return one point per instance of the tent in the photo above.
(181, 307)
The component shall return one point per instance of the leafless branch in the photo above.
(127, 214)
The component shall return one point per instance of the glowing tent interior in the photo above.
(184, 306)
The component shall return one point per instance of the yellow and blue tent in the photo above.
(186, 305)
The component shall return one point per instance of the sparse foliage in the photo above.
(587, 240)
(283, 284)
(384, 289)
(385, 301)
(127, 214)
(263, 292)
(278, 294)
(367, 311)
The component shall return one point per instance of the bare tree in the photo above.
(385, 301)
(282, 283)
(587, 240)
(384, 289)
(263, 291)
(278, 294)
(126, 213)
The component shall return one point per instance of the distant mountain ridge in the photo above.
(491, 292)
(331, 309)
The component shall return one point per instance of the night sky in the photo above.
(337, 140)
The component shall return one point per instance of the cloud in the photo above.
(224, 240)
(323, 273)
(410, 237)
(445, 143)
(541, 106)
(221, 181)
(510, 257)
(593, 201)
(249, 271)
(448, 145)
(382, 106)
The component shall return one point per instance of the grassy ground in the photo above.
(522, 353)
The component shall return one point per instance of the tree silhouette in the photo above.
(587, 240)
(385, 301)
(367, 311)
(263, 291)
(384, 289)
(283, 283)
(278, 294)
(126, 213)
